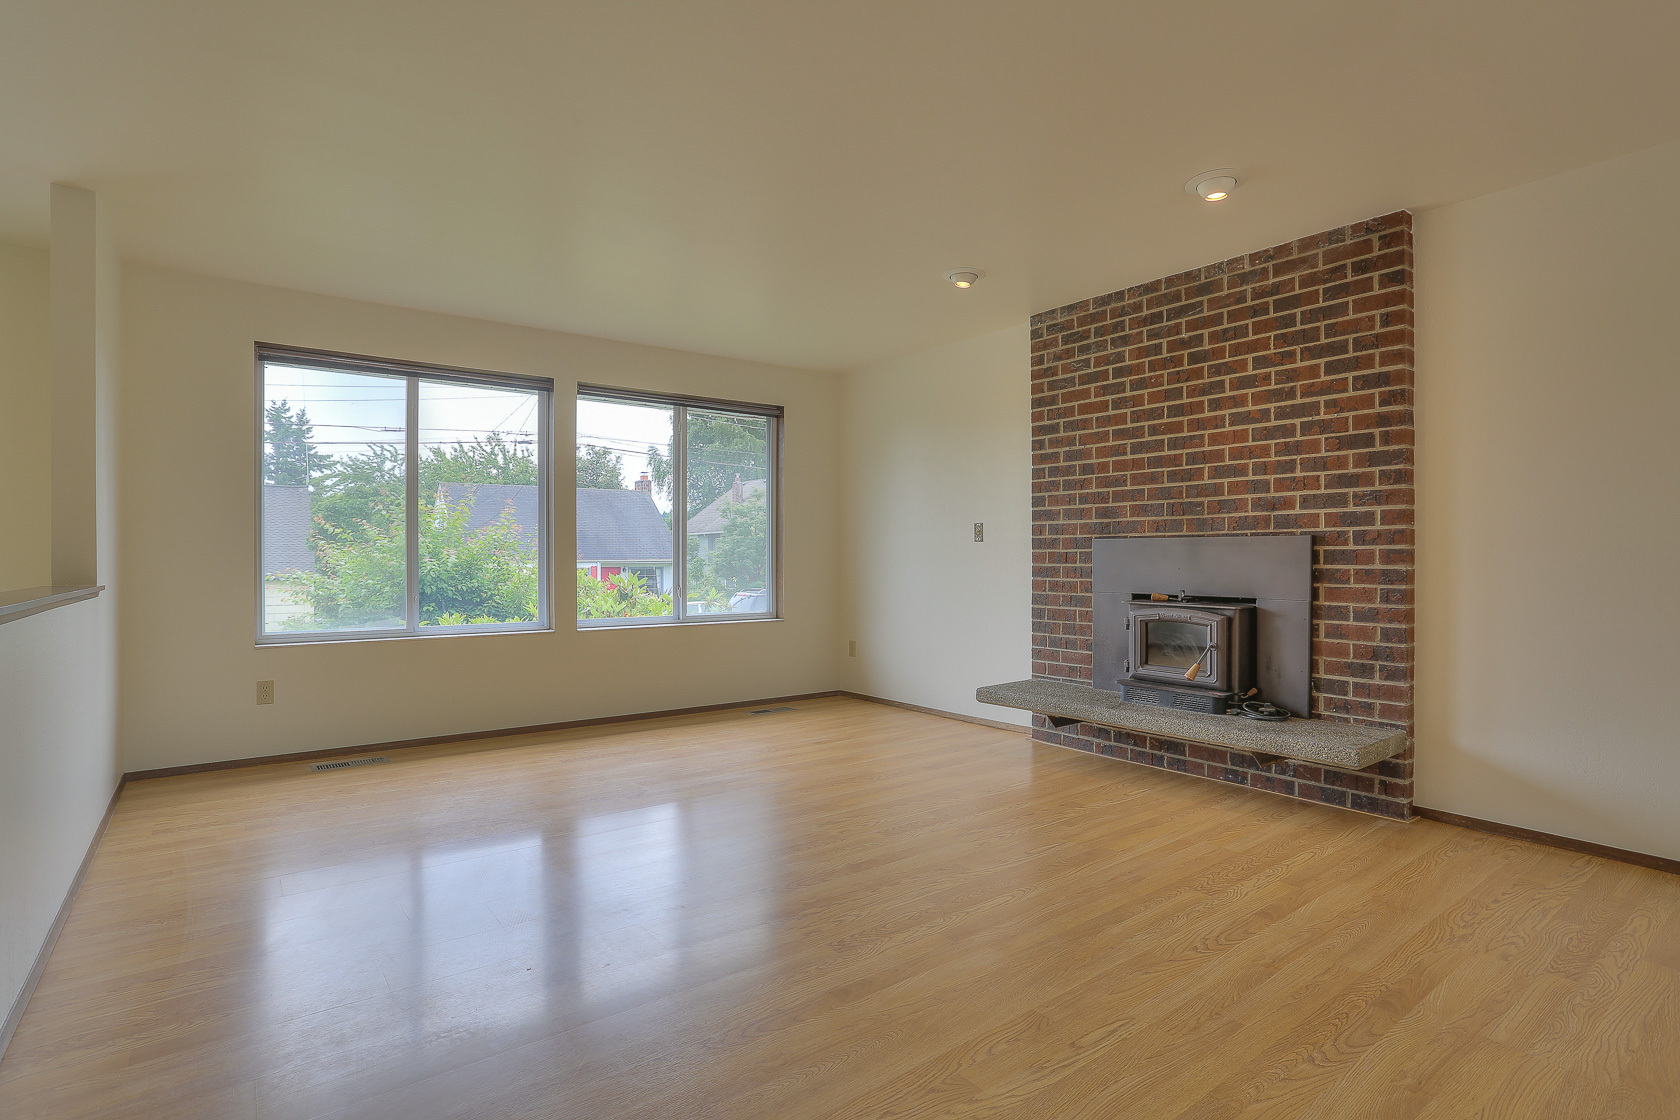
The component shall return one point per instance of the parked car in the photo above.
(753, 601)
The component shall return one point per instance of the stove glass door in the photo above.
(1169, 644)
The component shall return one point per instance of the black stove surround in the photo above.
(1204, 623)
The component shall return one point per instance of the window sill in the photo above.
(428, 635)
(34, 600)
(620, 627)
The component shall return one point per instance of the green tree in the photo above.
(369, 489)
(660, 467)
(703, 584)
(359, 578)
(740, 558)
(360, 494)
(489, 459)
(490, 574)
(289, 455)
(598, 468)
(721, 447)
(358, 534)
(485, 576)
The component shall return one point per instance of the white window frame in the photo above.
(680, 404)
(413, 373)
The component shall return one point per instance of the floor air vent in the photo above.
(769, 711)
(344, 763)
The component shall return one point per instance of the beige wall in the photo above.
(189, 663)
(1549, 505)
(933, 443)
(58, 683)
(25, 434)
(58, 766)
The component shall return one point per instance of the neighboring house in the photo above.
(708, 525)
(622, 529)
(485, 502)
(285, 545)
(617, 530)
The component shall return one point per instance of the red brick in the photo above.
(1268, 393)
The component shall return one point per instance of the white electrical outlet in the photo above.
(851, 649)
(265, 692)
(979, 530)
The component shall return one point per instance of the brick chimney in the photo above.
(737, 492)
(644, 483)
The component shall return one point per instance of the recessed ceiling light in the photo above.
(964, 277)
(1212, 186)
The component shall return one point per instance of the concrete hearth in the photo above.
(1344, 745)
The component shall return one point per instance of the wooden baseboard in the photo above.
(999, 724)
(1567, 843)
(460, 737)
(15, 1015)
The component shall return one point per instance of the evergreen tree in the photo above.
(289, 457)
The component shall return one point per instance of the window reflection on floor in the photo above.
(462, 942)
(421, 932)
(669, 892)
(481, 918)
(629, 874)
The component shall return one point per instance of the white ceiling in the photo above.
(786, 181)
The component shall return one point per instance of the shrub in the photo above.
(624, 596)
(485, 576)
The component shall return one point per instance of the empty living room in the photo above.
(1123, 560)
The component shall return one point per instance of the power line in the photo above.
(527, 432)
(403, 442)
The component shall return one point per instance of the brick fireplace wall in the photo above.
(1268, 393)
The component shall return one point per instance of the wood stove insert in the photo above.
(1261, 587)
(1191, 653)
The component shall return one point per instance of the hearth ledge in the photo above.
(1347, 746)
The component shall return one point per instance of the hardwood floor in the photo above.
(848, 910)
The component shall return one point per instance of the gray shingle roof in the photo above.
(711, 519)
(620, 526)
(485, 502)
(285, 538)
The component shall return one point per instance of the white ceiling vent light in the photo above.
(1215, 185)
(964, 277)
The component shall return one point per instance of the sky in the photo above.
(353, 411)
(627, 430)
